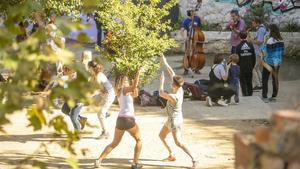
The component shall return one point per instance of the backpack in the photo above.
(195, 90)
(203, 84)
(146, 99)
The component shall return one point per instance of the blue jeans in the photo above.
(236, 88)
(74, 115)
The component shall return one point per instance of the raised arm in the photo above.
(162, 92)
(134, 87)
(169, 68)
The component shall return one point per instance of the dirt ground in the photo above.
(210, 140)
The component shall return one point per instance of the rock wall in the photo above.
(217, 11)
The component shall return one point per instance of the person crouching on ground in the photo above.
(174, 111)
(126, 118)
(247, 62)
(107, 90)
(218, 91)
(234, 77)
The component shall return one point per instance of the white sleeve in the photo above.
(101, 78)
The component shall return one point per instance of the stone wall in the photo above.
(217, 11)
(276, 147)
(219, 42)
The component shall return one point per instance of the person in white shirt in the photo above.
(106, 91)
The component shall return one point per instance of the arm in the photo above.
(162, 93)
(224, 73)
(241, 27)
(134, 87)
(170, 70)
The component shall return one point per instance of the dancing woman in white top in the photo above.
(126, 120)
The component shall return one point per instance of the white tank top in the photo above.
(126, 105)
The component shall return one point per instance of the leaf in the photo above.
(73, 162)
(36, 118)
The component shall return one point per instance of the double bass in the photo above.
(194, 57)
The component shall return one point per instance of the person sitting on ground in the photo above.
(272, 52)
(107, 94)
(234, 77)
(218, 90)
(174, 111)
(246, 53)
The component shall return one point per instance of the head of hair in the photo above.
(243, 35)
(86, 56)
(257, 20)
(218, 59)
(234, 11)
(178, 81)
(96, 67)
(234, 58)
(189, 13)
(274, 32)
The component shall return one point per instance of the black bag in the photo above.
(195, 90)
(146, 99)
(203, 84)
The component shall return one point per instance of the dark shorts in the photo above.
(125, 123)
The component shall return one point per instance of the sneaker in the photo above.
(97, 164)
(107, 115)
(186, 72)
(272, 99)
(208, 101)
(257, 88)
(222, 103)
(136, 166)
(266, 100)
(82, 122)
(103, 135)
(197, 72)
(195, 164)
(170, 158)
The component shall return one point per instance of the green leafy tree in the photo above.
(138, 35)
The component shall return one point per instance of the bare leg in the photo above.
(135, 133)
(162, 135)
(117, 138)
(179, 143)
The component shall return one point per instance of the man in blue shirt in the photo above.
(187, 25)
(257, 42)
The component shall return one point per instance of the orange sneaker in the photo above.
(170, 158)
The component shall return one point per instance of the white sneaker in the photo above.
(208, 101)
(222, 103)
(103, 135)
(97, 163)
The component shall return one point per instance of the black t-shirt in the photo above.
(247, 58)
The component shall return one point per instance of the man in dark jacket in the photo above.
(247, 60)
